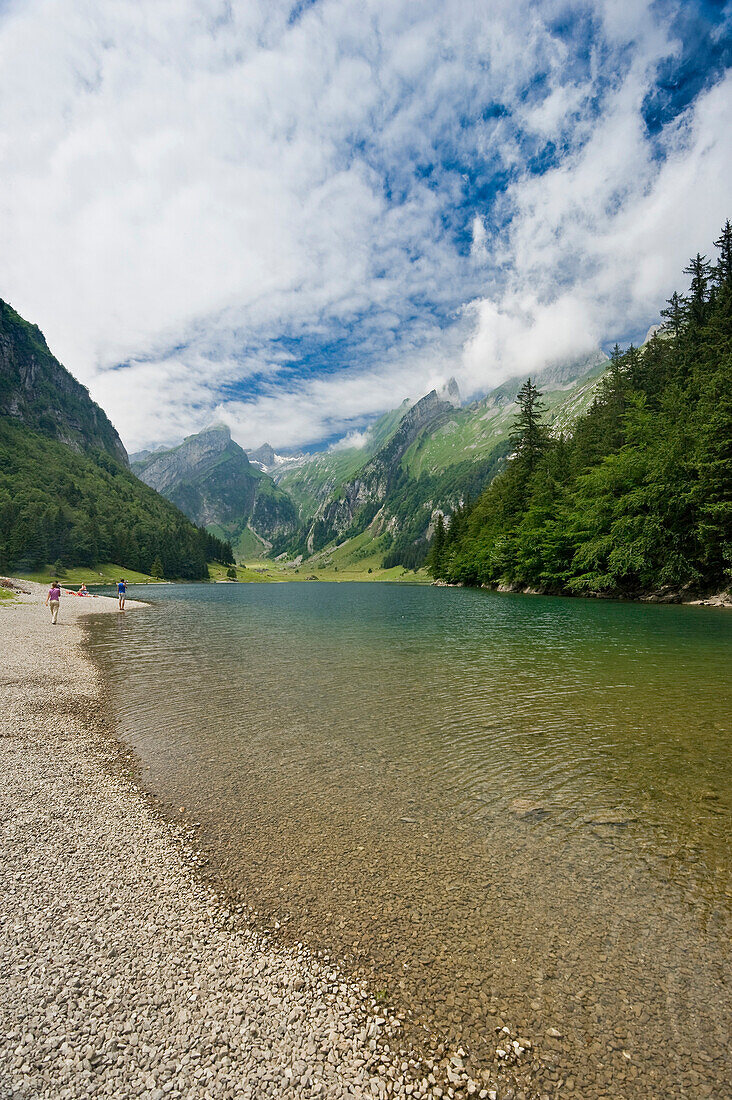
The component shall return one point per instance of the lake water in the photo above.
(504, 810)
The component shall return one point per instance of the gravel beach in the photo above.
(120, 974)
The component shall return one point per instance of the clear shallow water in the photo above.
(503, 809)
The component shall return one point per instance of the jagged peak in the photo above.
(450, 392)
(264, 455)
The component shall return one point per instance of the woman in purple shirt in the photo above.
(54, 598)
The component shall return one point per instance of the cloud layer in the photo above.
(291, 216)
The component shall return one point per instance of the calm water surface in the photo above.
(503, 809)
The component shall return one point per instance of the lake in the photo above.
(504, 810)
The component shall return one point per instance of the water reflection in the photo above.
(503, 809)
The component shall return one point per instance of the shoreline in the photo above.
(123, 974)
(667, 598)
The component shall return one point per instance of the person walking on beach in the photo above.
(121, 593)
(54, 598)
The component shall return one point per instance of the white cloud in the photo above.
(351, 439)
(192, 187)
(600, 242)
(479, 244)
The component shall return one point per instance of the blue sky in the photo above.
(290, 216)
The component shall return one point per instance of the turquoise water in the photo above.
(503, 809)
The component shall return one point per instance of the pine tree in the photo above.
(701, 275)
(723, 269)
(616, 363)
(156, 569)
(529, 435)
(675, 314)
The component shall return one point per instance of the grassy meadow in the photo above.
(73, 576)
(357, 559)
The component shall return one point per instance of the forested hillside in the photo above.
(56, 504)
(638, 497)
(66, 493)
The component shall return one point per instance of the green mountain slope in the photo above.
(310, 480)
(474, 431)
(36, 391)
(209, 477)
(66, 492)
(58, 504)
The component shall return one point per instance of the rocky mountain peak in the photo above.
(450, 392)
(218, 432)
(264, 456)
(192, 458)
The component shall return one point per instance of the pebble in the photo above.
(122, 975)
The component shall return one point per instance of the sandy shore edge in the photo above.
(121, 974)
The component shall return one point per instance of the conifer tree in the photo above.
(701, 273)
(616, 361)
(529, 435)
(675, 314)
(723, 269)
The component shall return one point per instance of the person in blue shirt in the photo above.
(121, 593)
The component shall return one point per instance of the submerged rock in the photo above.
(527, 810)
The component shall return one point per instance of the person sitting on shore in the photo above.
(83, 591)
(121, 593)
(54, 598)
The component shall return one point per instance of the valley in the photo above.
(359, 512)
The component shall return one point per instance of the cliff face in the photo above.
(211, 479)
(39, 393)
(208, 476)
(373, 482)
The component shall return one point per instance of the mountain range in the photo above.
(377, 501)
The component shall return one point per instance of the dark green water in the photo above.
(503, 809)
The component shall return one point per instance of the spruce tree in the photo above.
(675, 314)
(701, 274)
(616, 362)
(529, 435)
(723, 269)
